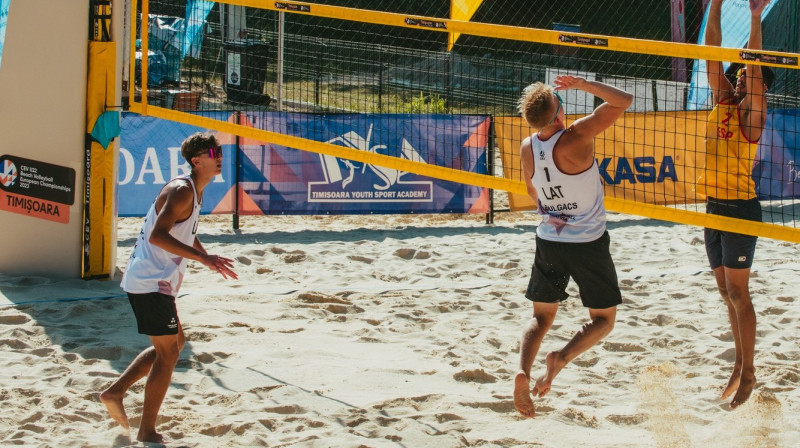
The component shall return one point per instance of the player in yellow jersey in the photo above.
(732, 133)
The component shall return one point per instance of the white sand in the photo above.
(403, 331)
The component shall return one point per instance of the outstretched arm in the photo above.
(754, 103)
(721, 88)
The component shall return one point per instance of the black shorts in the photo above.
(729, 249)
(156, 313)
(589, 264)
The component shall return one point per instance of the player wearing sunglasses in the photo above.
(168, 239)
(733, 129)
(563, 179)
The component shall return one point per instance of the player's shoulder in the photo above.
(180, 188)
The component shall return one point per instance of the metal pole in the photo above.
(490, 169)
(237, 117)
(318, 70)
(279, 96)
(380, 79)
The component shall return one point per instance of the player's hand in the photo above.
(220, 264)
(564, 82)
(757, 6)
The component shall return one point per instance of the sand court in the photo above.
(389, 331)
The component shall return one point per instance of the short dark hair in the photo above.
(196, 144)
(767, 75)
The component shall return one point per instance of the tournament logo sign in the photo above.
(9, 174)
(383, 185)
(36, 189)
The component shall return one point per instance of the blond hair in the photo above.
(536, 105)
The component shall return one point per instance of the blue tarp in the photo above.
(196, 13)
(3, 20)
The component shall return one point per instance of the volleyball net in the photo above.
(269, 61)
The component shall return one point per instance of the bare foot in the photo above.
(113, 403)
(746, 385)
(733, 383)
(152, 437)
(554, 365)
(522, 397)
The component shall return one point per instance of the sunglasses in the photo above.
(213, 152)
(560, 103)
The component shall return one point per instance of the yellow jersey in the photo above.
(729, 156)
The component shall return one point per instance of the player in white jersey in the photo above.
(562, 177)
(152, 279)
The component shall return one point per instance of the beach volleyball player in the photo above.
(168, 239)
(563, 179)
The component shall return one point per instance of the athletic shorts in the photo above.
(589, 264)
(156, 313)
(732, 250)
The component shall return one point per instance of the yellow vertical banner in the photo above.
(98, 213)
(461, 10)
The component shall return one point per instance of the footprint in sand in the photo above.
(221, 430)
(317, 297)
(360, 259)
(627, 420)
(576, 416)
(200, 336)
(288, 409)
(501, 407)
(475, 376)
(622, 347)
(17, 319)
(244, 260)
(295, 257)
(408, 254)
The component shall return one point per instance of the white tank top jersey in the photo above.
(151, 268)
(571, 205)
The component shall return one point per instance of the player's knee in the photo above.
(169, 353)
(606, 323)
(609, 323)
(544, 321)
(738, 296)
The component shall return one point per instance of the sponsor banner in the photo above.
(150, 155)
(277, 180)
(653, 158)
(286, 181)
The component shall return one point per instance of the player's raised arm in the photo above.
(721, 88)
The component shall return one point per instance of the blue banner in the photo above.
(735, 26)
(150, 155)
(3, 20)
(279, 180)
(299, 182)
(776, 170)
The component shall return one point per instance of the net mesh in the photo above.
(391, 57)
